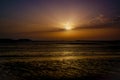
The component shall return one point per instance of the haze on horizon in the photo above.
(60, 19)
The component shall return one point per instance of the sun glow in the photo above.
(68, 26)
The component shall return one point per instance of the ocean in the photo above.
(60, 61)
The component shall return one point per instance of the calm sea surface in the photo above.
(61, 61)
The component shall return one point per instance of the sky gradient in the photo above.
(46, 19)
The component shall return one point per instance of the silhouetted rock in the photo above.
(6, 40)
(24, 40)
(12, 41)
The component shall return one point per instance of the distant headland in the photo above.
(58, 41)
(12, 40)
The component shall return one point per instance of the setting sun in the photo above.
(68, 26)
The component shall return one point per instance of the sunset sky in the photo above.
(60, 19)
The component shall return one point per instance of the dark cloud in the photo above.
(100, 19)
(101, 22)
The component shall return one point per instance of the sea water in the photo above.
(59, 61)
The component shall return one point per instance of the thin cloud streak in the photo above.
(114, 23)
